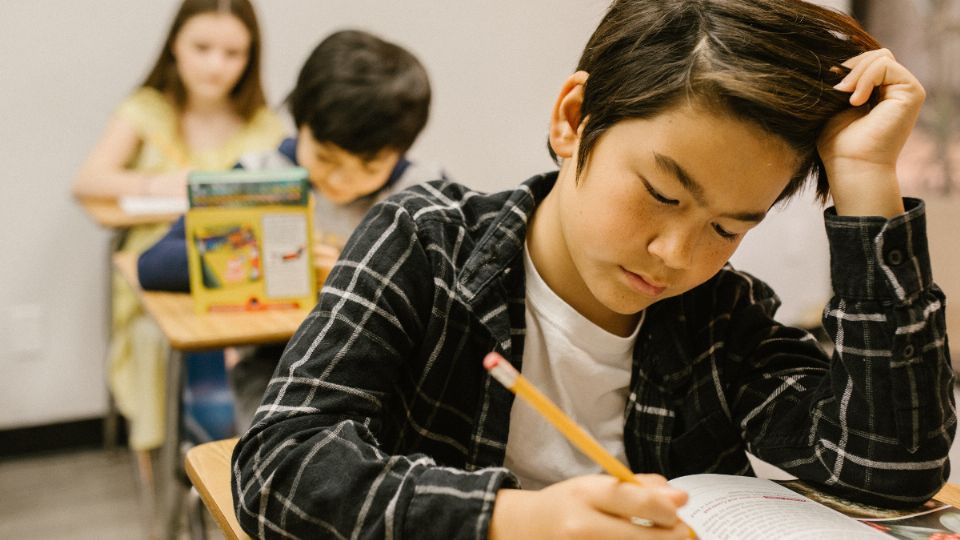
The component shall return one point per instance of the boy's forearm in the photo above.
(347, 485)
(881, 423)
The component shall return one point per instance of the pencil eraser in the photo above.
(491, 360)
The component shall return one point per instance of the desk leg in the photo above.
(171, 462)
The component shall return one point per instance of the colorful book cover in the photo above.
(249, 238)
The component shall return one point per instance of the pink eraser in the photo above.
(491, 360)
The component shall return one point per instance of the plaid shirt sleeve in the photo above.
(876, 422)
(312, 465)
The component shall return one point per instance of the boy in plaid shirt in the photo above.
(606, 283)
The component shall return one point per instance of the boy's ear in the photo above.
(565, 118)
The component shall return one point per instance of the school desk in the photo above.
(108, 214)
(187, 331)
(208, 466)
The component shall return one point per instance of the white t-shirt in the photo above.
(584, 369)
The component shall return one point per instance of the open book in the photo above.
(747, 508)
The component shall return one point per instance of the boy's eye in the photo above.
(660, 198)
(202, 47)
(725, 234)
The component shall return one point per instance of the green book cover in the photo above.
(239, 188)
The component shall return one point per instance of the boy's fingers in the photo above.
(873, 76)
(852, 63)
(882, 73)
(858, 65)
(657, 504)
(615, 528)
(679, 497)
(651, 480)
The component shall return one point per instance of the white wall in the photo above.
(496, 67)
(64, 65)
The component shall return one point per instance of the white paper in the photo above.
(286, 255)
(140, 205)
(725, 507)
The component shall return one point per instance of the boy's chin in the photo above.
(337, 197)
(627, 304)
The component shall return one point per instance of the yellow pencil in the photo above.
(507, 375)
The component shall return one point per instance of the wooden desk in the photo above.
(188, 331)
(950, 493)
(208, 466)
(107, 213)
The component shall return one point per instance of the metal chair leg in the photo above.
(195, 516)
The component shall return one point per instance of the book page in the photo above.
(135, 205)
(747, 508)
(286, 254)
(941, 523)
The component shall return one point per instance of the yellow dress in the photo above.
(137, 356)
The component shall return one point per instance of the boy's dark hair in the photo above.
(247, 95)
(771, 62)
(361, 93)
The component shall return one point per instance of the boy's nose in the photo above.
(674, 246)
(337, 177)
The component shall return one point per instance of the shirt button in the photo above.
(894, 257)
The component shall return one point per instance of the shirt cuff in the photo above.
(453, 504)
(874, 258)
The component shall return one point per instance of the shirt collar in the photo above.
(502, 244)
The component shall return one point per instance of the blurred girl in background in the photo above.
(200, 108)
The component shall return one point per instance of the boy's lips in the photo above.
(644, 285)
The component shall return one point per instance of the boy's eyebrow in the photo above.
(669, 165)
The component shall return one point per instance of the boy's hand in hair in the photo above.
(860, 146)
(591, 507)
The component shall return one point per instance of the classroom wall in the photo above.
(64, 65)
(496, 67)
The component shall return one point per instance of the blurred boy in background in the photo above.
(358, 105)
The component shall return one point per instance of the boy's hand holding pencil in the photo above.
(621, 505)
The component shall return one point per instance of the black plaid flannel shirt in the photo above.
(380, 421)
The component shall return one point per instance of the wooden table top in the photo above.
(208, 466)
(187, 330)
(107, 213)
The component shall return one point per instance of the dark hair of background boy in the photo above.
(362, 94)
(768, 62)
(247, 96)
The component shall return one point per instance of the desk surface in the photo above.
(186, 330)
(208, 467)
(107, 213)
